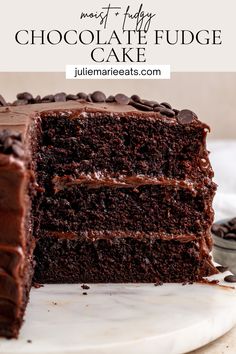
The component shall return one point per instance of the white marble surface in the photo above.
(124, 318)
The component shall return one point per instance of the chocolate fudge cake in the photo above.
(96, 189)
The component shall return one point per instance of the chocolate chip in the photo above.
(84, 293)
(85, 286)
(122, 99)
(110, 99)
(140, 106)
(219, 230)
(20, 102)
(37, 99)
(167, 112)
(98, 96)
(8, 143)
(166, 105)
(17, 151)
(136, 98)
(24, 96)
(176, 111)
(157, 108)
(150, 103)
(230, 236)
(48, 98)
(222, 269)
(60, 97)
(230, 278)
(71, 97)
(3, 103)
(232, 222)
(185, 116)
(89, 98)
(82, 96)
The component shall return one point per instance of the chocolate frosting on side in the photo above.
(13, 207)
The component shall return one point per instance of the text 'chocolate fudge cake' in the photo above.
(96, 189)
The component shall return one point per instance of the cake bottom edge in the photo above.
(120, 260)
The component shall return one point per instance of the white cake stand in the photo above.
(124, 318)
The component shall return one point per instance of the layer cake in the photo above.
(97, 189)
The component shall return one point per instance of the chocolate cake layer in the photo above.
(126, 144)
(119, 260)
(161, 208)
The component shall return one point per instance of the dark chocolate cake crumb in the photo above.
(85, 287)
(54, 303)
(84, 293)
(29, 341)
(230, 278)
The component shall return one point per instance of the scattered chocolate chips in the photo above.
(85, 287)
(122, 99)
(185, 116)
(226, 230)
(98, 96)
(222, 269)
(230, 278)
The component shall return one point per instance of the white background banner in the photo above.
(187, 35)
